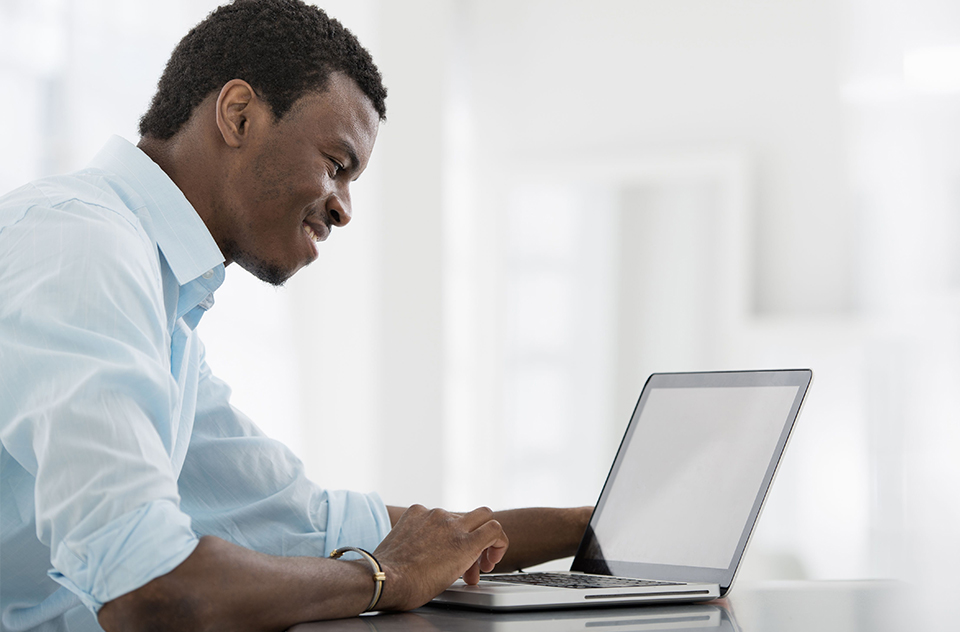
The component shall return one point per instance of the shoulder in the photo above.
(88, 212)
(76, 231)
(87, 195)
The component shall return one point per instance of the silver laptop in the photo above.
(680, 502)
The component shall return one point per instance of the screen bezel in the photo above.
(584, 562)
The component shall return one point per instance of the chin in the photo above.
(268, 272)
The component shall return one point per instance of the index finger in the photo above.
(491, 541)
(477, 517)
(491, 557)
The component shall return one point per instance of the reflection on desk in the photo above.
(768, 607)
(699, 617)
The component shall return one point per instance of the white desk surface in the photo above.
(794, 606)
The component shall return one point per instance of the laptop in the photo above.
(681, 499)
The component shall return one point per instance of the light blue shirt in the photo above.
(119, 447)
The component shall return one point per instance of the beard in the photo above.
(266, 271)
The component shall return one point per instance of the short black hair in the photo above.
(282, 48)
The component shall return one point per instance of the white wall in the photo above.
(593, 80)
(717, 128)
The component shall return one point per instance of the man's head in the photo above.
(265, 114)
(282, 48)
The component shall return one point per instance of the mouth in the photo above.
(315, 229)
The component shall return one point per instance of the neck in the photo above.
(188, 163)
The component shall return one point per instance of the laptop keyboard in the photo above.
(571, 580)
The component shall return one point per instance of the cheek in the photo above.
(293, 184)
(266, 189)
(271, 174)
(278, 190)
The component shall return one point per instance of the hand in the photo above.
(428, 549)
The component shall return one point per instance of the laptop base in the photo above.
(496, 596)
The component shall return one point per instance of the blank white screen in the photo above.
(691, 473)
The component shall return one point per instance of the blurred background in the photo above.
(568, 196)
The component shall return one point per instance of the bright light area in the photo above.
(933, 69)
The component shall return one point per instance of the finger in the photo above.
(477, 517)
(492, 532)
(490, 535)
(491, 543)
(490, 558)
(472, 575)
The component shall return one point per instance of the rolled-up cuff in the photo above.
(125, 554)
(355, 519)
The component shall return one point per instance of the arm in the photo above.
(242, 486)
(86, 394)
(226, 586)
(537, 534)
(262, 564)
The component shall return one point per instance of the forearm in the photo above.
(225, 586)
(541, 534)
(229, 587)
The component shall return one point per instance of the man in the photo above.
(157, 504)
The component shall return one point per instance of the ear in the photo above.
(238, 111)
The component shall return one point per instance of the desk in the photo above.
(862, 606)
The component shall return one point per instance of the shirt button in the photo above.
(208, 274)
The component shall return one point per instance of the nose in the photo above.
(338, 208)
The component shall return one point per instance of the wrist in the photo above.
(367, 558)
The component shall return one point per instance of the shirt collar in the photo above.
(181, 235)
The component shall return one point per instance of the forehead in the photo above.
(341, 113)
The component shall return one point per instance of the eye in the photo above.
(337, 167)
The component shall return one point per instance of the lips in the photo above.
(315, 229)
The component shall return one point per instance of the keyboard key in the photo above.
(569, 580)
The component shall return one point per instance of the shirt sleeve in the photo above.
(242, 486)
(87, 401)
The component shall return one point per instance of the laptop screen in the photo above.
(691, 473)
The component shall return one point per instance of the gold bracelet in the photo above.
(378, 575)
